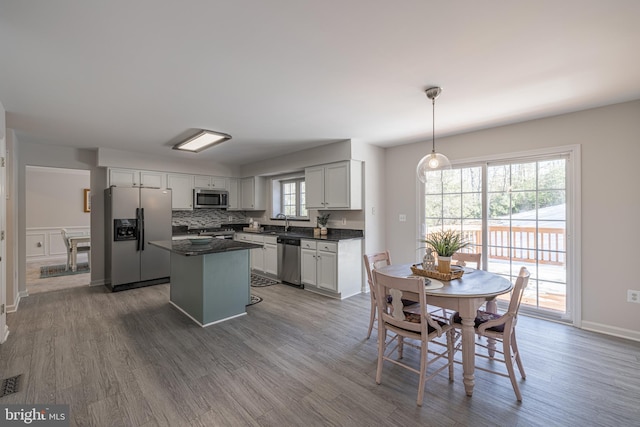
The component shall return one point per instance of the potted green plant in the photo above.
(323, 219)
(445, 243)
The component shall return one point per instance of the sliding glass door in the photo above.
(527, 223)
(514, 212)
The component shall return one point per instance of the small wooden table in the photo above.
(73, 245)
(464, 295)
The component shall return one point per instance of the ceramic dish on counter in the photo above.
(200, 240)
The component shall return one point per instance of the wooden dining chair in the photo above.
(462, 258)
(410, 322)
(371, 262)
(501, 328)
(84, 248)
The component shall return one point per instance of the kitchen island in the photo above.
(210, 282)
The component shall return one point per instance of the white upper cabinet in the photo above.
(252, 197)
(334, 186)
(234, 194)
(211, 182)
(137, 178)
(124, 178)
(181, 186)
(153, 179)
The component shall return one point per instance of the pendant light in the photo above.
(433, 161)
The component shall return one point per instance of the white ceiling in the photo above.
(284, 75)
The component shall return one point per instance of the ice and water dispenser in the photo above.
(125, 229)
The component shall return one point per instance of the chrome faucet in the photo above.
(286, 221)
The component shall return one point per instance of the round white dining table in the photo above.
(464, 295)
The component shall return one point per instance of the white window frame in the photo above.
(299, 206)
(574, 218)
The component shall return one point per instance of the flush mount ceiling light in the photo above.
(201, 141)
(433, 161)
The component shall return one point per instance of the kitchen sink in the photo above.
(287, 234)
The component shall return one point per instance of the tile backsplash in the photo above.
(207, 217)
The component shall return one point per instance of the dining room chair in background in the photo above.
(84, 248)
(501, 328)
(371, 262)
(462, 258)
(410, 322)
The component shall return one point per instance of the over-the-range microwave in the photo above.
(205, 198)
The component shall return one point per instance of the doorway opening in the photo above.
(58, 227)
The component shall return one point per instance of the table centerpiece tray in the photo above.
(456, 273)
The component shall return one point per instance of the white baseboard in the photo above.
(14, 307)
(207, 324)
(611, 330)
(99, 282)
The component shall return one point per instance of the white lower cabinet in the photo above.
(257, 255)
(331, 268)
(271, 255)
(308, 264)
(264, 260)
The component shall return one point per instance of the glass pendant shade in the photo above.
(431, 162)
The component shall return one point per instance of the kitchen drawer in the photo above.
(270, 240)
(328, 247)
(307, 244)
(257, 239)
(243, 237)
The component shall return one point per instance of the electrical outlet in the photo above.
(633, 296)
(402, 218)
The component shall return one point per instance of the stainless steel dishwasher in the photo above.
(289, 261)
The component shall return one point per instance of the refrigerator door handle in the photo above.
(142, 231)
(137, 229)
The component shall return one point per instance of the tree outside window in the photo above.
(293, 203)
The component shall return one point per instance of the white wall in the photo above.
(374, 203)
(2, 121)
(295, 162)
(610, 199)
(70, 158)
(13, 247)
(130, 160)
(55, 197)
(299, 160)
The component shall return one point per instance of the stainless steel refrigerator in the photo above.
(134, 217)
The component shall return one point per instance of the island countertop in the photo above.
(186, 248)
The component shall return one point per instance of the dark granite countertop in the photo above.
(333, 234)
(186, 248)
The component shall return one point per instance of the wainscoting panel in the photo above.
(46, 243)
(36, 244)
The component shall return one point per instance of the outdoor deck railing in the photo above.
(520, 244)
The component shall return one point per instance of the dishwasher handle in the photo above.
(288, 241)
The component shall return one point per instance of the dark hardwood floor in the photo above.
(297, 358)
